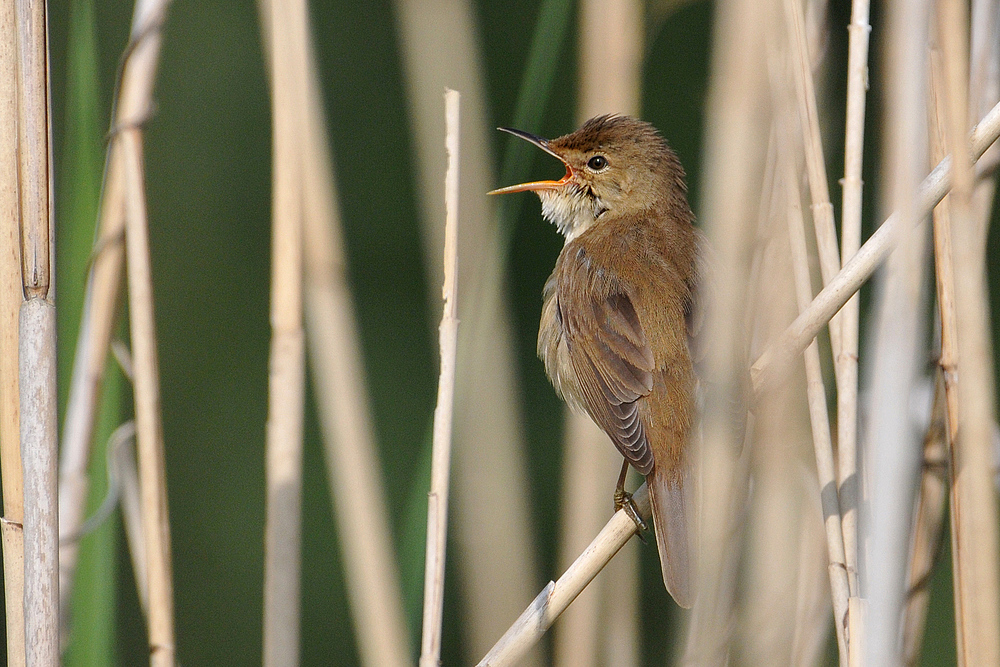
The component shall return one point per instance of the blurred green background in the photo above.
(208, 179)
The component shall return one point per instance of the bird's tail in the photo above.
(669, 496)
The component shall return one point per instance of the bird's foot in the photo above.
(623, 500)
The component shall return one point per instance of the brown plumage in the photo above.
(613, 333)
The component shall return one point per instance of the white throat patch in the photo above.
(572, 211)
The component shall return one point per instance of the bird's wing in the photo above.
(610, 354)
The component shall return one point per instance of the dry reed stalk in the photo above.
(822, 213)
(857, 615)
(941, 432)
(796, 336)
(39, 455)
(822, 209)
(437, 499)
(283, 527)
(348, 436)
(33, 150)
(820, 420)
(810, 644)
(928, 517)
(149, 425)
(37, 339)
(850, 226)
(556, 596)
(439, 49)
(973, 498)
(621, 636)
(131, 507)
(892, 454)
(610, 61)
(588, 465)
(11, 296)
(783, 522)
(775, 515)
(736, 135)
(100, 310)
(984, 86)
(843, 325)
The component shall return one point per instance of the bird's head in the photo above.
(614, 164)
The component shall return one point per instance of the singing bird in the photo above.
(614, 329)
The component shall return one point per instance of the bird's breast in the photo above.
(553, 348)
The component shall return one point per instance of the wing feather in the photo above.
(611, 356)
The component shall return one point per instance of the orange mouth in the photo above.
(534, 185)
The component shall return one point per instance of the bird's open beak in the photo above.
(534, 185)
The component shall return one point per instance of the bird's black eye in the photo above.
(597, 163)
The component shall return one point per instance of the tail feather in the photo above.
(671, 514)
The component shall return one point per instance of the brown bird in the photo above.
(614, 328)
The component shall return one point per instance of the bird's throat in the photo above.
(570, 209)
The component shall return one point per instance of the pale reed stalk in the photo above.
(822, 213)
(283, 524)
(736, 130)
(150, 447)
(11, 296)
(38, 443)
(783, 523)
(822, 209)
(850, 228)
(941, 432)
(927, 524)
(345, 417)
(892, 445)
(974, 513)
(794, 339)
(100, 308)
(820, 420)
(37, 338)
(437, 499)
(531, 625)
(337, 366)
(439, 49)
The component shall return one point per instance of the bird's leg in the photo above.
(623, 500)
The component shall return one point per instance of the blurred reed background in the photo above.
(382, 67)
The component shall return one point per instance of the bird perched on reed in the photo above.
(614, 329)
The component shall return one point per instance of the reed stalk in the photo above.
(133, 103)
(974, 514)
(11, 296)
(892, 450)
(794, 339)
(737, 125)
(822, 209)
(39, 455)
(927, 523)
(437, 499)
(345, 417)
(439, 50)
(942, 430)
(286, 48)
(149, 421)
(822, 213)
(850, 229)
(37, 338)
(557, 596)
(820, 420)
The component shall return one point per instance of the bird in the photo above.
(617, 311)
